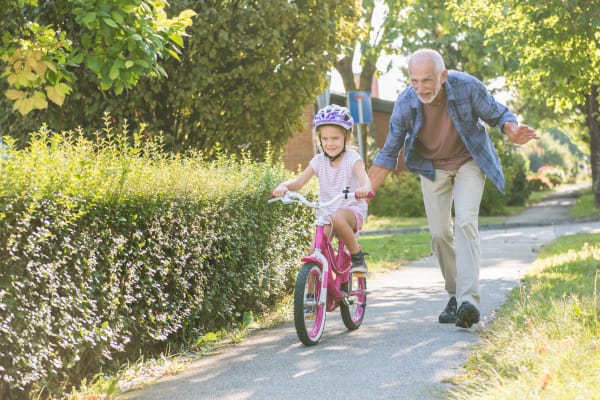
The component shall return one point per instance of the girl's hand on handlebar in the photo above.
(364, 193)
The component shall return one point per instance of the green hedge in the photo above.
(108, 250)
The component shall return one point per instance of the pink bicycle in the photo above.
(325, 281)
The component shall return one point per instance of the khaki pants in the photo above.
(456, 246)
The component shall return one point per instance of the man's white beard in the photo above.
(438, 87)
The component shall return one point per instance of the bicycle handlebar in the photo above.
(295, 197)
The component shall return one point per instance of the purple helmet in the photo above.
(333, 115)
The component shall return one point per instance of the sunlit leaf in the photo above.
(13, 94)
(55, 94)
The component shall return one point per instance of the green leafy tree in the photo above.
(246, 75)
(45, 42)
(549, 151)
(556, 45)
(403, 26)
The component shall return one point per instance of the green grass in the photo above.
(545, 342)
(585, 206)
(388, 252)
(376, 223)
(536, 197)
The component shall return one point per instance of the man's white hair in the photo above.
(431, 54)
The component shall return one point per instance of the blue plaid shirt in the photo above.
(469, 103)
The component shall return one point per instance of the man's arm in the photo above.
(377, 175)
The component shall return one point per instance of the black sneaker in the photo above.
(449, 314)
(358, 262)
(467, 315)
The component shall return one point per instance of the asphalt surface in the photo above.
(400, 351)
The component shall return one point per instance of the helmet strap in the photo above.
(333, 158)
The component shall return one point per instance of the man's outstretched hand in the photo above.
(519, 134)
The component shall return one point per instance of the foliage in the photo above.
(539, 183)
(553, 65)
(403, 26)
(548, 151)
(515, 168)
(244, 82)
(44, 42)
(557, 49)
(558, 62)
(245, 77)
(553, 173)
(399, 196)
(492, 202)
(112, 249)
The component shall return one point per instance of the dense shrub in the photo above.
(554, 174)
(492, 202)
(399, 196)
(554, 150)
(515, 167)
(108, 250)
(539, 183)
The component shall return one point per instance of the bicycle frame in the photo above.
(335, 267)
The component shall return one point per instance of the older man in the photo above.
(438, 122)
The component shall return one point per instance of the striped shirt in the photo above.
(334, 179)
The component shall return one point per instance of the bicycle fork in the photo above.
(319, 258)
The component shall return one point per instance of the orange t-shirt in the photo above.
(438, 139)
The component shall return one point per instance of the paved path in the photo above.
(552, 210)
(400, 351)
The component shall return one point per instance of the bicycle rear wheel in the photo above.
(309, 315)
(354, 305)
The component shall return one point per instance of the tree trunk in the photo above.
(366, 84)
(366, 76)
(344, 67)
(592, 112)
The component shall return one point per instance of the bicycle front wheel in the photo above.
(353, 305)
(309, 315)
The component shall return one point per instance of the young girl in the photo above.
(338, 167)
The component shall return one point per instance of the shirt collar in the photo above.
(449, 88)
